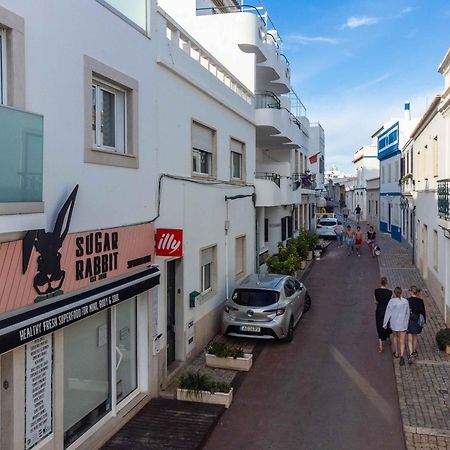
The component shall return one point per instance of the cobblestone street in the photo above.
(423, 387)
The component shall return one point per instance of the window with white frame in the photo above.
(3, 99)
(207, 269)
(240, 256)
(237, 160)
(202, 150)
(108, 117)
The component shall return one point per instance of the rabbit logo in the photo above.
(49, 277)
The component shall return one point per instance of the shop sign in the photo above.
(38, 390)
(46, 264)
(169, 242)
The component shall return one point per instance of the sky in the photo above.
(354, 63)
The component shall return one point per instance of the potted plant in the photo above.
(443, 340)
(286, 262)
(200, 387)
(225, 356)
(311, 241)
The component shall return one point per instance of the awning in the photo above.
(19, 328)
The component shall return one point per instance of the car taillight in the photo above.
(226, 309)
(280, 312)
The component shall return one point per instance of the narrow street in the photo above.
(329, 388)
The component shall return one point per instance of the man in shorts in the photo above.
(358, 240)
(345, 213)
(349, 239)
(358, 213)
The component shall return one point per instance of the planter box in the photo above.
(243, 364)
(219, 398)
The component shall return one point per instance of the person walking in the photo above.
(349, 239)
(339, 230)
(358, 240)
(416, 323)
(358, 213)
(397, 316)
(345, 213)
(372, 240)
(382, 296)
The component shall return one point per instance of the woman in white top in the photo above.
(397, 315)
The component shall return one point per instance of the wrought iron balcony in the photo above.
(21, 156)
(443, 192)
(303, 180)
(269, 176)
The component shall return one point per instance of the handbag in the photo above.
(416, 323)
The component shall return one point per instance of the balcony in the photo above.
(407, 183)
(443, 192)
(277, 126)
(255, 33)
(267, 186)
(21, 155)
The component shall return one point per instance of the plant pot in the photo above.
(218, 398)
(317, 254)
(310, 255)
(302, 265)
(243, 364)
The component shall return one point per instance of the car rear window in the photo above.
(328, 223)
(256, 297)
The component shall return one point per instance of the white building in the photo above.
(285, 188)
(373, 200)
(366, 167)
(407, 186)
(390, 138)
(317, 158)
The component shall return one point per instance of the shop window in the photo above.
(240, 256)
(202, 150)
(93, 349)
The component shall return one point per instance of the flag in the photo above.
(313, 158)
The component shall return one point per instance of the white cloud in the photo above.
(305, 40)
(364, 86)
(406, 10)
(355, 22)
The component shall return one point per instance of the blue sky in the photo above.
(355, 62)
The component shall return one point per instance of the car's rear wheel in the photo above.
(307, 305)
(290, 330)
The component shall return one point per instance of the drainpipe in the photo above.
(413, 224)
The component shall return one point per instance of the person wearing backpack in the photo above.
(417, 319)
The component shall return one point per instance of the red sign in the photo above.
(169, 242)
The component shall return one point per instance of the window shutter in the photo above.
(236, 146)
(207, 256)
(202, 138)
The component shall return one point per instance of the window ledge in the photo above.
(110, 158)
(10, 209)
(203, 176)
(206, 296)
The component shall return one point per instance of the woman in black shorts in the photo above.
(382, 297)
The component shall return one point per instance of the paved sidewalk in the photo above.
(424, 386)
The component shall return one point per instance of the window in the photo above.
(134, 12)
(202, 150)
(266, 230)
(257, 297)
(240, 256)
(283, 229)
(111, 124)
(237, 160)
(389, 173)
(207, 269)
(435, 157)
(382, 174)
(289, 288)
(93, 349)
(3, 99)
(108, 117)
(435, 251)
(290, 231)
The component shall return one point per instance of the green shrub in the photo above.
(224, 350)
(201, 381)
(443, 338)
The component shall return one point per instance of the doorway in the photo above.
(170, 296)
(425, 252)
(389, 216)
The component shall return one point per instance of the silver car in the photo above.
(265, 306)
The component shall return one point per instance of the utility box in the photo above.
(192, 298)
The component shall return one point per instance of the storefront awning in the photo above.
(18, 328)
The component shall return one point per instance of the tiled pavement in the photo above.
(424, 386)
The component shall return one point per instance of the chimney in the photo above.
(407, 111)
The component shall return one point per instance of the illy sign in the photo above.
(169, 242)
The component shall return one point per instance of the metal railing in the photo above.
(443, 192)
(269, 176)
(303, 180)
(266, 99)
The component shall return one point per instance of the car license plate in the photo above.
(250, 328)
